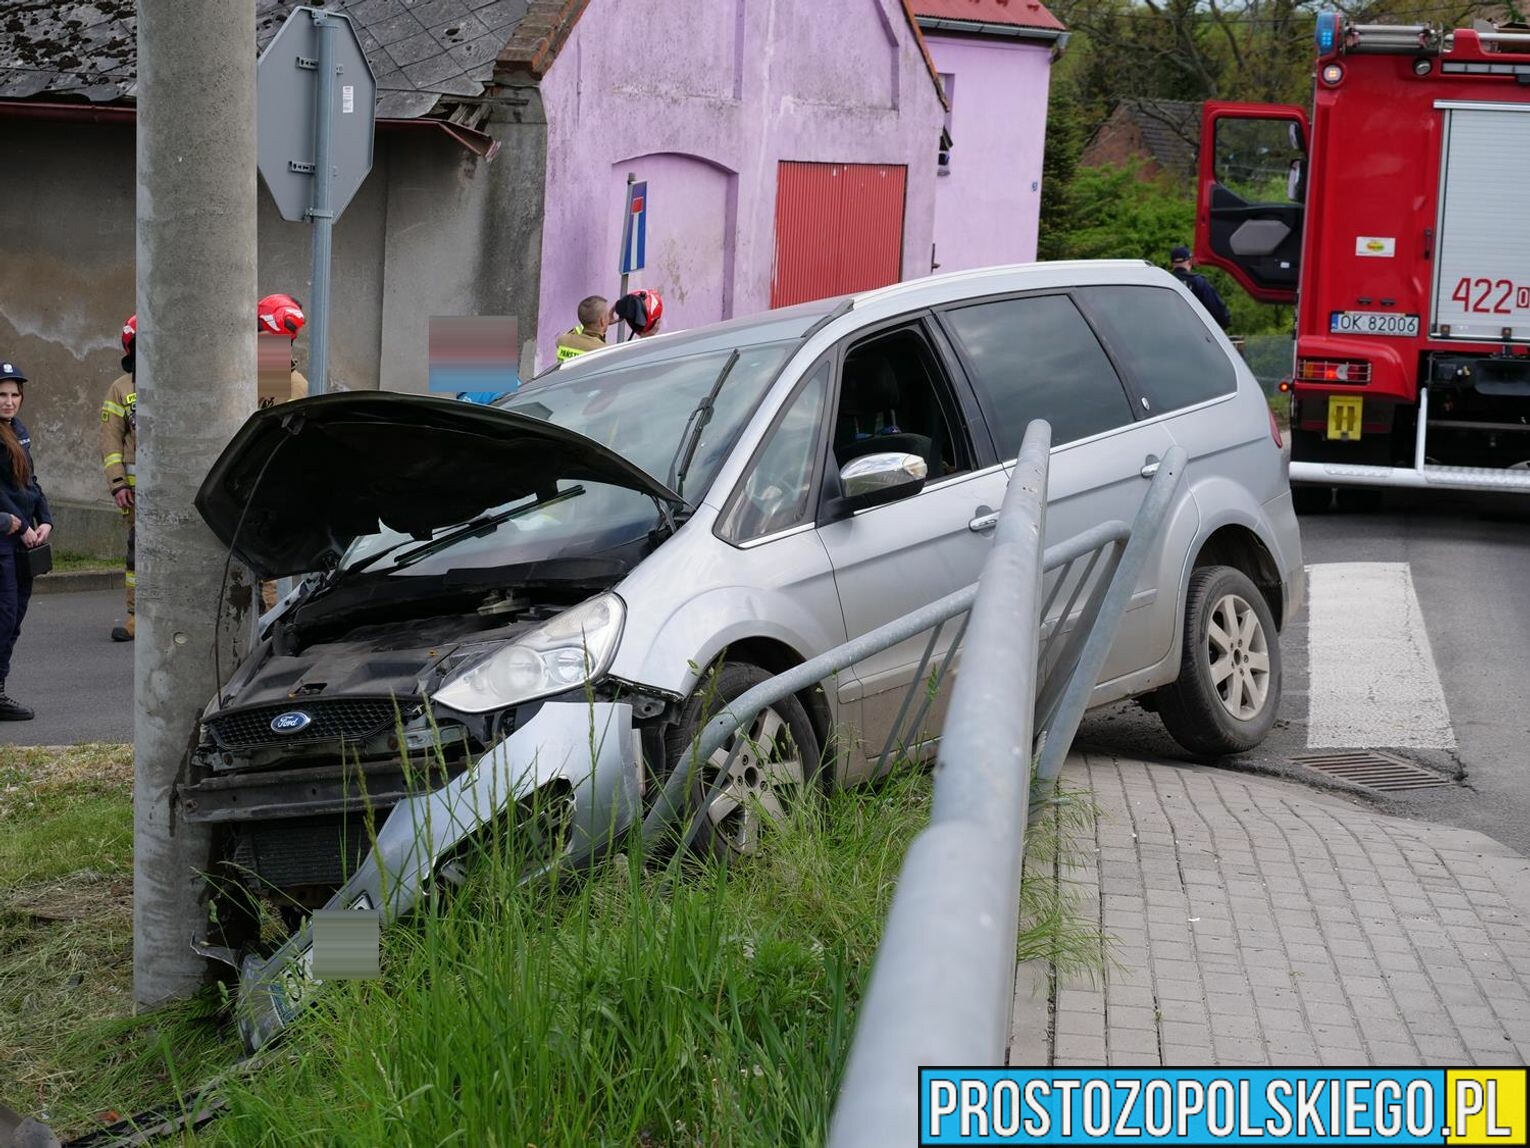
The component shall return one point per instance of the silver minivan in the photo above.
(548, 595)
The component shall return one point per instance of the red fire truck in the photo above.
(1399, 222)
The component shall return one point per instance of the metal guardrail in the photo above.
(941, 991)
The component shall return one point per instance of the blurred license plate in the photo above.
(1371, 323)
(1344, 416)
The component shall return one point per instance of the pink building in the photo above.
(789, 148)
(792, 148)
(995, 60)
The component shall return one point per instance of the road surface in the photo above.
(67, 669)
(1419, 627)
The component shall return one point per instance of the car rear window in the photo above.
(1169, 355)
(1036, 358)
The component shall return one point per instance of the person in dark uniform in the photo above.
(1182, 268)
(24, 523)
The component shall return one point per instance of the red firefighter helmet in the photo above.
(129, 333)
(281, 314)
(642, 310)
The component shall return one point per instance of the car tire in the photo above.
(781, 765)
(1228, 689)
(1311, 499)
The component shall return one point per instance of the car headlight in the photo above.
(561, 654)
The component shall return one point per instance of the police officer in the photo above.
(1182, 269)
(24, 524)
(590, 335)
(119, 449)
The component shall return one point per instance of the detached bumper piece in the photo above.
(583, 759)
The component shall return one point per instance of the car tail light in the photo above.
(1333, 371)
(1275, 429)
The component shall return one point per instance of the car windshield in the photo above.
(641, 411)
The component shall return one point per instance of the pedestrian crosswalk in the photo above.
(1373, 680)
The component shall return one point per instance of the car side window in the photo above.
(1170, 356)
(1036, 358)
(776, 490)
(895, 397)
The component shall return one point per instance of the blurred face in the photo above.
(10, 398)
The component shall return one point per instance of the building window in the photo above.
(948, 83)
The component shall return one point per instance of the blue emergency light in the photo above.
(1327, 32)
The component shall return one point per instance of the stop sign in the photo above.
(287, 94)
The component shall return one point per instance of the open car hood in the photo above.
(301, 481)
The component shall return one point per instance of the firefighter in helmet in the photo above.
(281, 316)
(641, 310)
(119, 448)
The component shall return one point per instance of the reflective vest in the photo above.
(572, 344)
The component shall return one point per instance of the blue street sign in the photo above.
(635, 228)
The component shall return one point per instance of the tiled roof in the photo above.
(1015, 13)
(422, 51)
(1170, 129)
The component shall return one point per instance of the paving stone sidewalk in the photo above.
(1254, 922)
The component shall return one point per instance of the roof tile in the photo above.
(420, 46)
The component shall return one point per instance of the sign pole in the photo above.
(322, 217)
(622, 331)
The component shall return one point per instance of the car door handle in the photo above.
(985, 518)
(1150, 467)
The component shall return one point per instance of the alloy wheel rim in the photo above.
(1239, 656)
(759, 784)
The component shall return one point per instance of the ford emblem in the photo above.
(291, 722)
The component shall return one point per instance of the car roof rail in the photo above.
(843, 308)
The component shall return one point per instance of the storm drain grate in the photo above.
(1372, 770)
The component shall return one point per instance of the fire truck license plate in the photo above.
(1372, 323)
(1344, 416)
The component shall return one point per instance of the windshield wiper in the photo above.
(695, 423)
(477, 526)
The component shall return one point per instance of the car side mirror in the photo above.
(876, 479)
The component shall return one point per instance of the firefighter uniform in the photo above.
(299, 391)
(119, 450)
(572, 344)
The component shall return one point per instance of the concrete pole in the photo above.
(196, 385)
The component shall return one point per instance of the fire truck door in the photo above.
(1250, 191)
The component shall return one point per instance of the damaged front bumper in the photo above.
(591, 747)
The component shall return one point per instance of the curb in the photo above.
(78, 581)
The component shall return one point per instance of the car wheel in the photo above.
(1228, 689)
(777, 766)
(1311, 499)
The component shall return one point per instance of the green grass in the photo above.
(69, 1044)
(672, 1006)
(637, 1004)
(65, 563)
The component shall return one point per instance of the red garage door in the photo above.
(839, 228)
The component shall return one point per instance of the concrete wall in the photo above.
(703, 99)
(987, 208)
(432, 231)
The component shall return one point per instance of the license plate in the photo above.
(1372, 323)
(1344, 416)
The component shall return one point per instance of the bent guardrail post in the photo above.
(1104, 617)
(941, 988)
